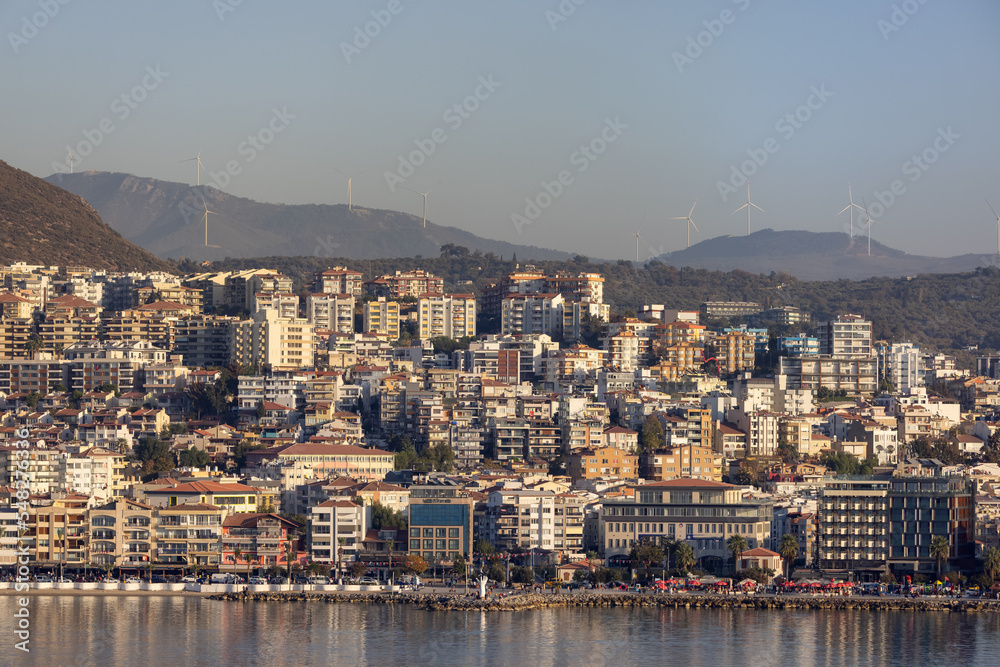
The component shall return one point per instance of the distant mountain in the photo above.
(815, 256)
(43, 224)
(168, 220)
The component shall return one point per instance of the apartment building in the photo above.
(702, 513)
(405, 283)
(846, 337)
(334, 312)
(521, 519)
(339, 280)
(329, 523)
(382, 316)
(602, 462)
(260, 539)
(57, 530)
(121, 534)
(441, 523)
(267, 339)
(189, 534)
(852, 374)
(451, 315)
(854, 525)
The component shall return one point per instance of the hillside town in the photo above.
(363, 426)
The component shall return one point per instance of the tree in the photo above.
(990, 453)
(557, 466)
(415, 565)
(787, 451)
(497, 571)
(736, 544)
(940, 549)
(407, 458)
(194, 458)
(358, 569)
(647, 554)
(458, 566)
(484, 547)
(237, 554)
(685, 556)
(991, 562)
(384, 517)
(652, 434)
(341, 543)
(788, 549)
(154, 455)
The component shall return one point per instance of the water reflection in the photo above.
(182, 630)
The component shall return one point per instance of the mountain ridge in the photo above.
(168, 219)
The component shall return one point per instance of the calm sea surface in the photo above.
(68, 631)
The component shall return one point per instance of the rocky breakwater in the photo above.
(523, 602)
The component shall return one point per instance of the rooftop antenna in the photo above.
(198, 167)
(690, 222)
(747, 207)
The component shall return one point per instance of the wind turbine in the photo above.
(747, 207)
(637, 237)
(690, 221)
(70, 154)
(206, 226)
(198, 167)
(850, 207)
(424, 195)
(998, 225)
(349, 179)
(869, 225)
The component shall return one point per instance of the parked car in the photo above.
(133, 580)
(281, 581)
(43, 579)
(110, 580)
(189, 579)
(319, 580)
(64, 580)
(368, 581)
(258, 581)
(156, 579)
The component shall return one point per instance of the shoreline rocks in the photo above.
(525, 602)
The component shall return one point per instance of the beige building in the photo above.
(121, 534)
(283, 343)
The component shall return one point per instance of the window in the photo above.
(453, 533)
(428, 532)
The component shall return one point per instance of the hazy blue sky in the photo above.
(892, 78)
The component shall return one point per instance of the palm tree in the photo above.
(940, 549)
(788, 549)
(991, 563)
(237, 553)
(685, 556)
(341, 541)
(737, 544)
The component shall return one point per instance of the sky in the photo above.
(568, 125)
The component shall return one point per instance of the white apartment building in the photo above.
(451, 315)
(331, 521)
(334, 312)
(527, 314)
(902, 364)
(521, 518)
(848, 336)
